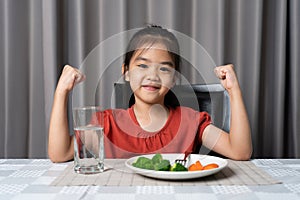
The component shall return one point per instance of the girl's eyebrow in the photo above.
(167, 63)
(147, 60)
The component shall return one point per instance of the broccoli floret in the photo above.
(157, 158)
(143, 163)
(148, 165)
(164, 165)
(157, 163)
(143, 160)
(178, 167)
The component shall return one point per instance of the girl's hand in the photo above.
(227, 76)
(69, 78)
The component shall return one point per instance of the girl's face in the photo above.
(151, 74)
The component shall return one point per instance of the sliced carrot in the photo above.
(192, 167)
(199, 165)
(210, 166)
(195, 167)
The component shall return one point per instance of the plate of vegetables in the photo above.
(163, 166)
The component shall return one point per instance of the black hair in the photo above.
(150, 35)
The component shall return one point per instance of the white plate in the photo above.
(204, 160)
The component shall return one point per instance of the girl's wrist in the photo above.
(61, 93)
(234, 92)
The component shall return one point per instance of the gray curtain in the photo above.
(260, 37)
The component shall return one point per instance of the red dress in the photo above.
(125, 138)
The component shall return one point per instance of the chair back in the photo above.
(212, 98)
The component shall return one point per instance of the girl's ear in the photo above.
(174, 79)
(125, 72)
(126, 75)
(123, 68)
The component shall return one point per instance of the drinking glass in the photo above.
(88, 140)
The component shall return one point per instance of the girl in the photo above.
(151, 125)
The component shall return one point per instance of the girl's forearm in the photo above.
(240, 133)
(60, 142)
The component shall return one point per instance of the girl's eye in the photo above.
(143, 66)
(165, 69)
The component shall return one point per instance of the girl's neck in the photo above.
(151, 117)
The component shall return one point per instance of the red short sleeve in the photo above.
(204, 121)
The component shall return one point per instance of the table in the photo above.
(31, 179)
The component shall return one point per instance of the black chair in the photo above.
(212, 98)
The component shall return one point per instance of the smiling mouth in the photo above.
(151, 87)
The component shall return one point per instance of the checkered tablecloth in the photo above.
(117, 174)
(31, 179)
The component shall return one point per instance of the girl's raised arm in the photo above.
(237, 144)
(60, 143)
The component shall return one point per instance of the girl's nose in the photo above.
(153, 73)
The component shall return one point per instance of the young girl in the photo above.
(151, 125)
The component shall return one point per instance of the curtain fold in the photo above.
(51, 55)
(36, 98)
(273, 79)
(292, 62)
(260, 37)
(15, 80)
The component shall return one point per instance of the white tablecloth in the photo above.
(31, 179)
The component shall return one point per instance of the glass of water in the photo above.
(88, 140)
